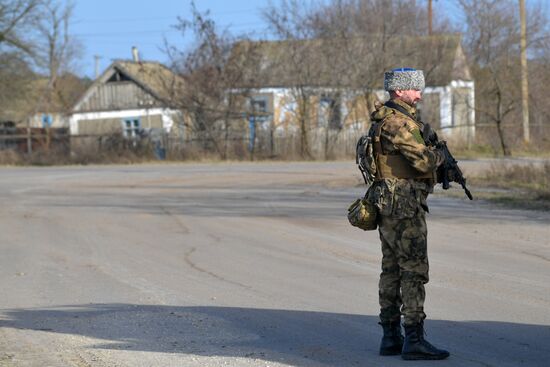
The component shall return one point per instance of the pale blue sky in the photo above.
(109, 28)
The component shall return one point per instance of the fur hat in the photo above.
(404, 79)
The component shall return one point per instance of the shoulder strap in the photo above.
(377, 145)
(394, 106)
(376, 137)
(425, 127)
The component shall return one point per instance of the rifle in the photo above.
(448, 170)
(449, 167)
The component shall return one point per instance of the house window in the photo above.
(131, 127)
(259, 105)
(260, 110)
(47, 120)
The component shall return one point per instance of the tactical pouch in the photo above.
(405, 202)
(362, 214)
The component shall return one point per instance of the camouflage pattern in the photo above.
(404, 268)
(401, 205)
(402, 134)
(362, 214)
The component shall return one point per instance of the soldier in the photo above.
(405, 175)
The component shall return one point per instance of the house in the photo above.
(51, 107)
(16, 100)
(339, 79)
(129, 97)
(30, 103)
(34, 113)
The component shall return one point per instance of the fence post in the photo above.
(252, 135)
(48, 138)
(29, 138)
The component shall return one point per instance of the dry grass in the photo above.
(114, 150)
(462, 151)
(10, 157)
(526, 186)
(53, 158)
(535, 178)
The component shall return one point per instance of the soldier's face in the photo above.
(411, 96)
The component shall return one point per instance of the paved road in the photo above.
(248, 265)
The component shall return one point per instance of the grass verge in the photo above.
(513, 185)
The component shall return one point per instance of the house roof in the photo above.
(353, 62)
(153, 77)
(69, 88)
(18, 106)
(35, 98)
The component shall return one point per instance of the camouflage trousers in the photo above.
(404, 268)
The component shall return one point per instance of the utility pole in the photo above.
(430, 17)
(524, 74)
(96, 58)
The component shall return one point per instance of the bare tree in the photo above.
(16, 23)
(365, 31)
(290, 21)
(17, 18)
(16, 73)
(492, 40)
(345, 46)
(35, 33)
(214, 82)
(56, 48)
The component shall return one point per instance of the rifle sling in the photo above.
(426, 128)
(394, 106)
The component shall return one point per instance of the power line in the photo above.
(127, 33)
(141, 19)
(157, 31)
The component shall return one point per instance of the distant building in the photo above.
(52, 108)
(34, 115)
(338, 98)
(34, 102)
(128, 97)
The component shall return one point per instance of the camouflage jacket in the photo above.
(402, 198)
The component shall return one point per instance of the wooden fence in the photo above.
(29, 140)
(322, 144)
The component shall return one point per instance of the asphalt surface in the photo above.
(249, 264)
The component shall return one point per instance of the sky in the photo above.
(109, 28)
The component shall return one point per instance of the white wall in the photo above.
(58, 120)
(445, 107)
(168, 116)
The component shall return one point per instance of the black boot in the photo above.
(392, 341)
(416, 347)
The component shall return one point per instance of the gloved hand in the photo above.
(443, 172)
